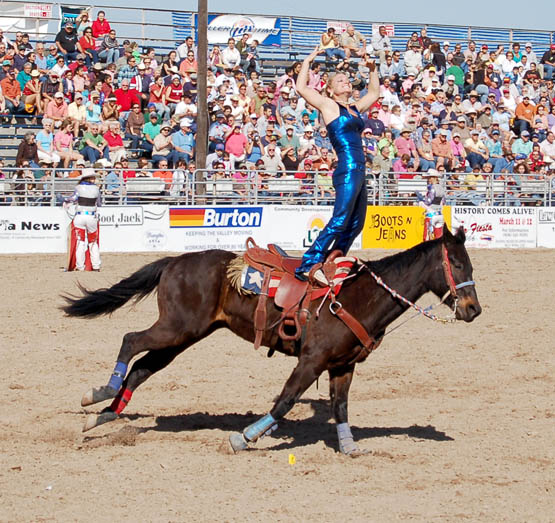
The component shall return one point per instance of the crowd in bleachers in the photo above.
(92, 99)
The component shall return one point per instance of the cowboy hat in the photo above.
(87, 173)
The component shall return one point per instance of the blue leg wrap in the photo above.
(254, 431)
(117, 377)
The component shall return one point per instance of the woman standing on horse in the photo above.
(345, 126)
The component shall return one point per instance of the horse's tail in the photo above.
(105, 301)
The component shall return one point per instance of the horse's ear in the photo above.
(446, 231)
(460, 236)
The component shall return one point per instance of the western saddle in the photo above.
(293, 296)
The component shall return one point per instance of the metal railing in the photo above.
(49, 187)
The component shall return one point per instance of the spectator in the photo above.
(32, 95)
(184, 141)
(425, 152)
(63, 144)
(272, 162)
(101, 26)
(93, 146)
(162, 150)
(150, 131)
(174, 92)
(56, 110)
(215, 60)
(87, 46)
(27, 152)
(522, 145)
(77, 113)
(231, 57)
(443, 153)
(109, 48)
(329, 43)
(158, 98)
(183, 50)
(353, 43)
(178, 179)
(383, 162)
(66, 41)
(236, 144)
(125, 98)
(476, 151)
(134, 126)
(116, 149)
(11, 91)
(381, 43)
(524, 116)
(413, 60)
(188, 65)
(45, 143)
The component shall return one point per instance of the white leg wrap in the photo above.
(347, 444)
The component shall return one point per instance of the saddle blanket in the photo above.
(251, 279)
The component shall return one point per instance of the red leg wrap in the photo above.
(121, 401)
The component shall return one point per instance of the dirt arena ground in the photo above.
(459, 419)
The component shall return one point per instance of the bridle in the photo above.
(453, 288)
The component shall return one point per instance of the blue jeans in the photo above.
(171, 158)
(475, 160)
(89, 62)
(93, 155)
(425, 165)
(521, 125)
(70, 57)
(110, 56)
(163, 111)
(548, 72)
(347, 221)
(12, 109)
(135, 140)
(483, 92)
(498, 164)
(335, 52)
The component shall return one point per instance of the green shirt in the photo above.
(96, 140)
(458, 73)
(152, 130)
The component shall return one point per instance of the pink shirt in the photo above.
(63, 140)
(236, 144)
(458, 149)
(53, 110)
(405, 146)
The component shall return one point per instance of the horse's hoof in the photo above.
(238, 442)
(95, 395)
(94, 420)
(348, 447)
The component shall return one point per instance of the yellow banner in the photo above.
(393, 227)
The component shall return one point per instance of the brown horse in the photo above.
(195, 297)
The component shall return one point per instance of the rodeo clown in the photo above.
(432, 201)
(85, 222)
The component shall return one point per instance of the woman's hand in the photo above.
(371, 64)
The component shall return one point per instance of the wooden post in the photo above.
(202, 109)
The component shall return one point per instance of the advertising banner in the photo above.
(265, 29)
(497, 227)
(293, 228)
(546, 227)
(134, 228)
(33, 229)
(396, 227)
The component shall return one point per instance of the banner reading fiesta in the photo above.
(396, 227)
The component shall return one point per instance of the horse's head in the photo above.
(456, 276)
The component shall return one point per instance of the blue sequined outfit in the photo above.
(349, 182)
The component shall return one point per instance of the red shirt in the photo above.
(100, 28)
(126, 99)
(113, 140)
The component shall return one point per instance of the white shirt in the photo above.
(231, 57)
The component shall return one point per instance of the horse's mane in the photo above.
(400, 261)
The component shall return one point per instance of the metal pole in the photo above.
(202, 118)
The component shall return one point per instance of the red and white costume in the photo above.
(85, 222)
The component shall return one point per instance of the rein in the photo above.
(453, 287)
